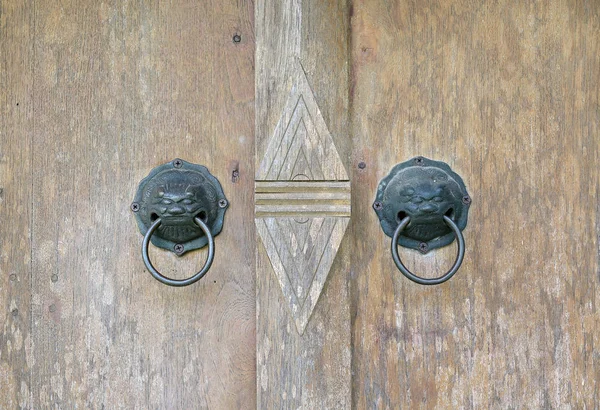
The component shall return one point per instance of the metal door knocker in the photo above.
(179, 206)
(422, 204)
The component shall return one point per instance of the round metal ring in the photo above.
(423, 281)
(183, 282)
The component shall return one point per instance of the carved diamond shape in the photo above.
(302, 201)
(301, 270)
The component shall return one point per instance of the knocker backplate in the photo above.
(424, 190)
(177, 192)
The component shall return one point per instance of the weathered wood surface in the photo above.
(302, 199)
(16, 115)
(107, 91)
(307, 367)
(506, 92)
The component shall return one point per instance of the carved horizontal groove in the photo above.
(341, 198)
(302, 198)
(316, 210)
(302, 186)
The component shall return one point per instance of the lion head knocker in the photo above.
(422, 204)
(176, 193)
(425, 191)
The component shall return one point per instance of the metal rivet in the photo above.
(135, 206)
(466, 200)
(52, 308)
(54, 278)
(419, 161)
(423, 247)
(222, 203)
(12, 277)
(177, 163)
(378, 205)
(237, 38)
(362, 165)
(178, 249)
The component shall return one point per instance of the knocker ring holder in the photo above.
(180, 207)
(422, 204)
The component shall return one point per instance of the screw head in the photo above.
(222, 203)
(237, 38)
(362, 165)
(420, 161)
(135, 207)
(177, 163)
(377, 205)
(423, 247)
(466, 200)
(178, 248)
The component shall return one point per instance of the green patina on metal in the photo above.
(177, 192)
(424, 190)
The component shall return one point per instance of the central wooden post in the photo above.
(302, 197)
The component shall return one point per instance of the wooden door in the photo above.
(299, 108)
(506, 93)
(94, 95)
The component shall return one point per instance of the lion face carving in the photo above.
(425, 191)
(177, 201)
(175, 194)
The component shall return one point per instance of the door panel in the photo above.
(16, 135)
(507, 94)
(96, 94)
(303, 355)
(119, 88)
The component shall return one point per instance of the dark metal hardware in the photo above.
(180, 207)
(423, 281)
(422, 204)
(174, 282)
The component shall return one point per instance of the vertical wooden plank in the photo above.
(16, 114)
(295, 369)
(122, 87)
(506, 92)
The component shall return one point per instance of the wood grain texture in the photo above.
(294, 37)
(506, 93)
(121, 87)
(301, 145)
(302, 199)
(16, 118)
(301, 252)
